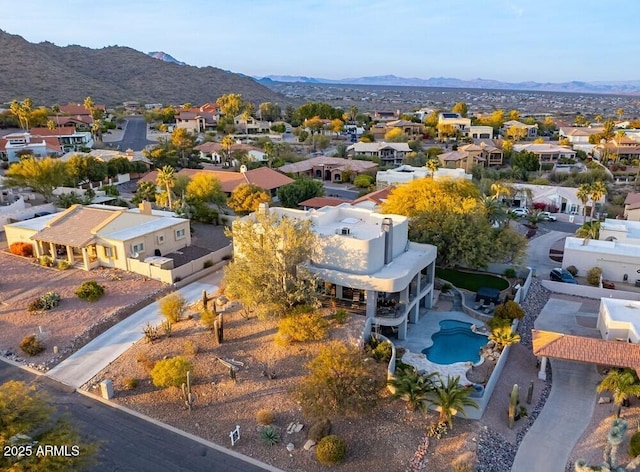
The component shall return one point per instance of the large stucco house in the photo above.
(366, 259)
(88, 237)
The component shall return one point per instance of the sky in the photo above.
(507, 40)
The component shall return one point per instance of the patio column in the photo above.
(70, 255)
(38, 249)
(402, 330)
(52, 251)
(372, 302)
(85, 258)
(542, 373)
(338, 291)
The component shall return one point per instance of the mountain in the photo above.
(621, 87)
(163, 56)
(50, 74)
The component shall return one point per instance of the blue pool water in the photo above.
(455, 342)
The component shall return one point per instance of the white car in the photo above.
(520, 212)
(545, 215)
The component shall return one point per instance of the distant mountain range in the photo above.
(622, 87)
(163, 56)
(50, 74)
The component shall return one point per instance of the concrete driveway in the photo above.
(538, 253)
(85, 363)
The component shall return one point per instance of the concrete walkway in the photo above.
(567, 412)
(85, 363)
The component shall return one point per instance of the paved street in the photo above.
(340, 191)
(85, 363)
(538, 253)
(131, 444)
(135, 134)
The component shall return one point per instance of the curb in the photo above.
(22, 366)
(173, 429)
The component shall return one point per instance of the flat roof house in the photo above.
(366, 259)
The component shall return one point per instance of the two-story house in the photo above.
(453, 125)
(390, 154)
(527, 131)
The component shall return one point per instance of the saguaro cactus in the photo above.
(614, 439)
(187, 396)
(513, 405)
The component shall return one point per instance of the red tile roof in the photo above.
(63, 131)
(77, 109)
(582, 349)
(378, 196)
(319, 202)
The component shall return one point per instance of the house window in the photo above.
(160, 238)
(109, 252)
(139, 247)
(180, 233)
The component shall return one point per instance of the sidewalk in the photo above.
(85, 363)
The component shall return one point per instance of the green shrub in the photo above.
(593, 275)
(190, 348)
(380, 350)
(269, 436)
(510, 273)
(45, 261)
(497, 323)
(573, 270)
(173, 307)
(331, 450)
(170, 372)
(130, 383)
(446, 287)
(90, 291)
(47, 301)
(21, 249)
(509, 311)
(207, 318)
(31, 345)
(206, 264)
(634, 445)
(63, 264)
(340, 316)
(303, 327)
(265, 416)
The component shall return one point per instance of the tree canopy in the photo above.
(302, 189)
(26, 411)
(265, 273)
(246, 198)
(42, 175)
(206, 188)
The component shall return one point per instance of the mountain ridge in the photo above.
(50, 74)
(575, 86)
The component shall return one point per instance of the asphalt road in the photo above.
(128, 443)
(135, 134)
(340, 192)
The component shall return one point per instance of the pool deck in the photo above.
(419, 338)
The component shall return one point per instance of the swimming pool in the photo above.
(455, 342)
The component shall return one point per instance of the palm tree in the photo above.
(597, 190)
(226, 143)
(623, 384)
(534, 218)
(618, 137)
(412, 388)
(450, 398)
(503, 336)
(166, 179)
(494, 210)
(583, 194)
(620, 113)
(590, 230)
(502, 189)
(432, 166)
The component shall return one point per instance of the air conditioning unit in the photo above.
(134, 255)
(345, 231)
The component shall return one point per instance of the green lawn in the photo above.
(471, 281)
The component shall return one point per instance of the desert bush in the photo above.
(339, 382)
(151, 333)
(47, 301)
(497, 322)
(63, 264)
(170, 372)
(190, 348)
(319, 430)
(331, 450)
(173, 307)
(634, 444)
(269, 436)
(510, 273)
(593, 275)
(130, 383)
(45, 261)
(304, 327)
(446, 287)
(166, 328)
(265, 416)
(573, 270)
(340, 316)
(31, 345)
(90, 291)
(143, 359)
(21, 249)
(207, 318)
(465, 462)
(380, 350)
(509, 311)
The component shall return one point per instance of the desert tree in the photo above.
(246, 198)
(42, 175)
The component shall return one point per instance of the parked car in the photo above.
(562, 275)
(545, 215)
(520, 212)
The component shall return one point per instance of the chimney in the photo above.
(145, 208)
(387, 227)
(263, 209)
